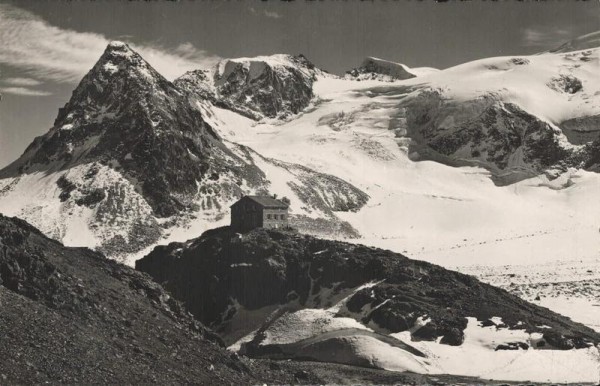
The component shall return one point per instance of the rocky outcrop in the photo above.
(321, 192)
(276, 86)
(220, 277)
(379, 69)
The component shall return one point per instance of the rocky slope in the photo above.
(133, 156)
(487, 132)
(287, 295)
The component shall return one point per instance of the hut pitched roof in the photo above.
(266, 202)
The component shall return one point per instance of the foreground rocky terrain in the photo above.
(286, 295)
(69, 315)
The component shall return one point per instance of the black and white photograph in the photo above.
(333, 192)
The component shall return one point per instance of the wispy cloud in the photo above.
(22, 81)
(545, 36)
(266, 13)
(272, 14)
(47, 52)
(23, 91)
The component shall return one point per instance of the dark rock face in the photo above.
(199, 83)
(269, 88)
(217, 270)
(273, 87)
(69, 315)
(501, 137)
(592, 161)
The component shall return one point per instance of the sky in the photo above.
(47, 47)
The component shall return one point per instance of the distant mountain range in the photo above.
(132, 157)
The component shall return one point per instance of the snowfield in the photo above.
(475, 357)
(535, 83)
(86, 219)
(320, 335)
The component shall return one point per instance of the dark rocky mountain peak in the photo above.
(125, 115)
(133, 147)
(120, 74)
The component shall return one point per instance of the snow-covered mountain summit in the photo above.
(133, 156)
(275, 86)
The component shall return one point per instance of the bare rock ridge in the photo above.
(221, 280)
(499, 136)
(69, 315)
(379, 69)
